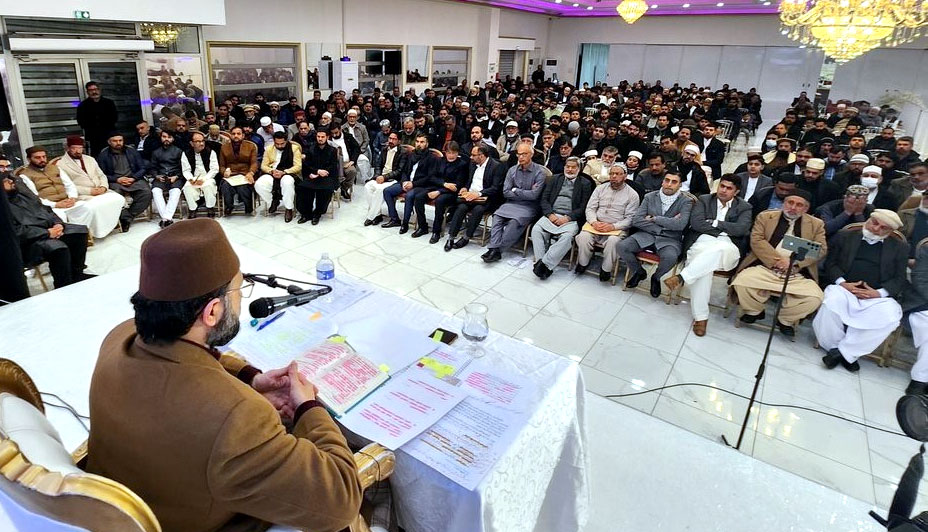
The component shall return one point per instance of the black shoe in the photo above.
(747, 318)
(492, 256)
(404, 228)
(435, 238)
(83, 276)
(636, 279)
(168, 223)
(288, 216)
(420, 231)
(580, 268)
(227, 212)
(655, 290)
(461, 242)
(539, 269)
(192, 214)
(832, 359)
(546, 273)
(787, 330)
(124, 224)
(377, 219)
(917, 388)
(302, 220)
(449, 245)
(368, 223)
(315, 221)
(853, 367)
(605, 276)
(272, 208)
(211, 213)
(391, 223)
(161, 224)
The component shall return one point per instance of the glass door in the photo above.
(52, 88)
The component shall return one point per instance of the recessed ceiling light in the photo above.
(686, 5)
(802, 46)
(589, 8)
(653, 6)
(576, 5)
(720, 4)
(766, 3)
(558, 1)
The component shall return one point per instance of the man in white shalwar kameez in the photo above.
(100, 206)
(866, 272)
(199, 170)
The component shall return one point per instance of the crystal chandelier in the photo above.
(845, 29)
(162, 34)
(632, 10)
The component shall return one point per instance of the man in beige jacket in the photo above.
(101, 206)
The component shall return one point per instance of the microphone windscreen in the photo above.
(260, 308)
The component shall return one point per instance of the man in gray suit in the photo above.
(660, 221)
(522, 189)
(915, 304)
(719, 226)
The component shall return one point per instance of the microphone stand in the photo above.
(794, 257)
(271, 280)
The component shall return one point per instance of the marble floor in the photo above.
(625, 342)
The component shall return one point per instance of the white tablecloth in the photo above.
(540, 484)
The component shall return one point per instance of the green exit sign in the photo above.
(82, 15)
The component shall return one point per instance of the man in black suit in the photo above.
(416, 179)
(448, 131)
(147, 140)
(482, 194)
(865, 273)
(821, 190)
(772, 197)
(12, 281)
(477, 138)
(713, 149)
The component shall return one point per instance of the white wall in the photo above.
(180, 11)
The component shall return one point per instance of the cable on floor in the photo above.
(775, 405)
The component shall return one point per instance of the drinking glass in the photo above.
(475, 328)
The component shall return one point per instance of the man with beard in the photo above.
(633, 142)
(694, 178)
(507, 142)
(782, 157)
(165, 173)
(761, 273)
(865, 275)
(772, 197)
(97, 116)
(563, 205)
(909, 190)
(199, 166)
(43, 236)
(238, 163)
(852, 171)
(12, 281)
(239, 465)
(320, 179)
(885, 141)
(125, 171)
(653, 178)
(394, 163)
(818, 132)
(522, 190)
(820, 190)
(103, 206)
(282, 164)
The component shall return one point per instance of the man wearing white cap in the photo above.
(508, 140)
(598, 168)
(281, 167)
(633, 163)
(852, 171)
(880, 197)
(866, 273)
(694, 178)
(267, 130)
(578, 141)
(820, 190)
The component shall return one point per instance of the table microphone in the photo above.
(265, 306)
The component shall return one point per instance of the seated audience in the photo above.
(413, 182)
(864, 275)
(695, 180)
(916, 306)
(281, 167)
(719, 226)
(652, 179)
(820, 190)
(125, 170)
(881, 197)
(394, 163)
(909, 190)
(608, 216)
(348, 153)
(761, 273)
(449, 176)
(660, 221)
(199, 165)
(752, 179)
(773, 197)
(838, 214)
(43, 236)
(522, 190)
(563, 204)
(238, 163)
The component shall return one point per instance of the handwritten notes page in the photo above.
(343, 377)
(275, 346)
(466, 443)
(411, 402)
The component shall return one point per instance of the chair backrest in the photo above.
(39, 483)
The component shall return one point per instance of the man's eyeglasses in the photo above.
(246, 289)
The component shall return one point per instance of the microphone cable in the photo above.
(772, 405)
(66, 406)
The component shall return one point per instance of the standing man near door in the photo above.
(97, 117)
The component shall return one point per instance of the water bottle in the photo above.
(325, 268)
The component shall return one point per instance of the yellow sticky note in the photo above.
(315, 316)
(337, 339)
(385, 368)
(437, 336)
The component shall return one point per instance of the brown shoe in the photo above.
(699, 327)
(673, 282)
(288, 216)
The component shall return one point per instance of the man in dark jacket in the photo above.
(838, 214)
(415, 180)
(449, 176)
(915, 304)
(43, 237)
(865, 275)
(12, 281)
(481, 194)
(563, 207)
(320, 179)
(97, 116)
(821, 190)
(125, 170)
(719, 226)
(165, 173)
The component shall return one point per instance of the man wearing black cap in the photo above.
(200, 435)
(761, 273)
